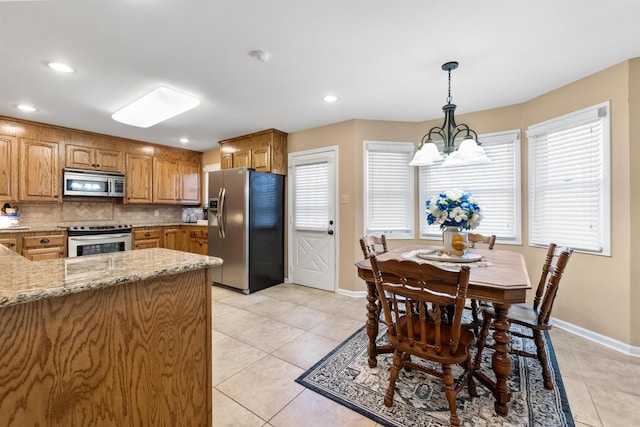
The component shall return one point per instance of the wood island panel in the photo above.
(137, 355)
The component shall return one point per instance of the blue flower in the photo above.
(453, 208)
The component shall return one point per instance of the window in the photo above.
(311, 195)
(388, 189)
(495, 186)
(569, 178)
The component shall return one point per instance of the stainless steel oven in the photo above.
(90, 240)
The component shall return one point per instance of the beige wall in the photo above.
(634, 198)
(597, 292)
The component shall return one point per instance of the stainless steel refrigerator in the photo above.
(246, 228)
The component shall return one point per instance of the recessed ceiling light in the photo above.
(27, 108)
(330, 98)
(59, 66)
(158, 105)
(184, 140)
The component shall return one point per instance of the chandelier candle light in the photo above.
(455, 211)
(469, 151)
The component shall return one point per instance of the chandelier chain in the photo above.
(449, 96)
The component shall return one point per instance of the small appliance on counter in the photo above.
(9, 217)
(192, 215)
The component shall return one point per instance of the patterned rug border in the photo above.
(566, 410)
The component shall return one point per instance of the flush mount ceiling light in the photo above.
(184, 140)
(329, 99)
(59, 66)
(158, 105)
(469, 151)
(27, 108)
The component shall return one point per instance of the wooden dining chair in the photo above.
(424, 290)
(487, 241)
(474, 238)
(535, 317)
(373, 245)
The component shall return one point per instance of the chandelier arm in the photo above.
(439, 131)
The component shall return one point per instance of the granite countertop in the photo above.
(27, 280)
(55, 227)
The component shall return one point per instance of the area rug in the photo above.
(345, 377)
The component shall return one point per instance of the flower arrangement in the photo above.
(455, 208)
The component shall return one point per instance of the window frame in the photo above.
(601, 114)
(408, 188)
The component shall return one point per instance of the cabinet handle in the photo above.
(55, 197)
(147, 234)
(12, 244)
(44, 241)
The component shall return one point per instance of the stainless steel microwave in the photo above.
(77, 182)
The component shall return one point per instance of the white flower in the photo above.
(458, 214)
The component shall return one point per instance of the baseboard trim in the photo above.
(598, 338)
(353, 294)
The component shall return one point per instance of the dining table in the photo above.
(498, 277)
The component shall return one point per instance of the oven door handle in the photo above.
(100, 237)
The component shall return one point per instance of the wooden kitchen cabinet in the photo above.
(148, 237)
(199, 240)
(139, 179)
(43, 246)
(263, 151)
(39, 171)
(79, 157)
(226, 160)
(176, 182)
(11, 241)
(8, 168)
(189, 176)
(261, 159)
(175, 238)
(165, 181)
(242, 159)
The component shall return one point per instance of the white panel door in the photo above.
(312, 218)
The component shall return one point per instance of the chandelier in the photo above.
(469, 151)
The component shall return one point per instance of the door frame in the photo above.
(336, 230)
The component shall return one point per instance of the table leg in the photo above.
(500, 362)
(372, 322)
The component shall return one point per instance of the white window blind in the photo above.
(569, 178)
(495, 186)
(389, 189)
(311, 195)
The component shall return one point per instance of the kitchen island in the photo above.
(111, 339)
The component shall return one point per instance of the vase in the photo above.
(456, 240)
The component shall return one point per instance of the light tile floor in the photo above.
(262, 342)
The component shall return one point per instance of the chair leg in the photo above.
(482, 340)
(471, 384)
(393, 376)
(474, 315)
(451, 394)
(542, 358)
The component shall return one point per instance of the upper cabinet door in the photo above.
(8, 168)
(108, 160)
(189, 183)
(79, 157)
(165, 181)
(138, 185)
(39, 171)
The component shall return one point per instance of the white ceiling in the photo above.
(382, 58)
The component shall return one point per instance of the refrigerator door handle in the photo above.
(220, 213)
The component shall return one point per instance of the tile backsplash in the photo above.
(104, 212)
